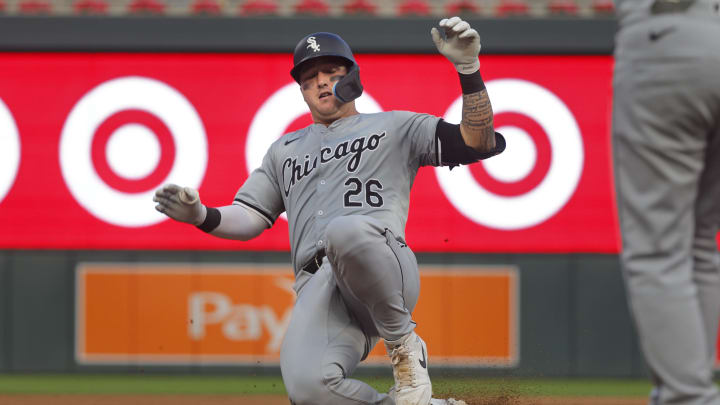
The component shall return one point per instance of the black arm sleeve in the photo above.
(451, 150)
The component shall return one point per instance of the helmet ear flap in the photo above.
(349, 87)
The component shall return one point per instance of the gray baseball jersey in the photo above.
(364, 164)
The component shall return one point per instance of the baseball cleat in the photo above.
(449, 401)
(433, 401)
(409, 362)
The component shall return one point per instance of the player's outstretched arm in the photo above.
(457, 41)
(230, 222)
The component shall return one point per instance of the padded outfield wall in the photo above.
(92, 280)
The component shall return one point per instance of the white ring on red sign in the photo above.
(542, 202)
(140, 93)
(275, 116)
(9, 150)
(514, 166)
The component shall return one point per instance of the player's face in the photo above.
(316, 83)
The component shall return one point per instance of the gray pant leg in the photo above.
(705, 250)
(322, 347)
(377, 274)
(661, 122)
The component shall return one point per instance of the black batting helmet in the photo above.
(328, 44)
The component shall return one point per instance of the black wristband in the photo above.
(471, 83)
(212, 220)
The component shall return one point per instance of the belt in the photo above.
(314, 264)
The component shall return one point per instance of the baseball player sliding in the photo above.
(344, 182)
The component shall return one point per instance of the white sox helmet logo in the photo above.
(312, 44)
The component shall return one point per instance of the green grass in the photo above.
(531, 386)
(544, 387)
(247, 385)
(139, 384)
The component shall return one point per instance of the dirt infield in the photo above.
(278, 400)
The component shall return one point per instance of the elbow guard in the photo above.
(452, 151)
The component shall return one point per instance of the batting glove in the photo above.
(180, 203)
(459, 43)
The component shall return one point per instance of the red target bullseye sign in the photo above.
(9, 150)
(522, 187)
(125, 138)
(525, 163)
(133, 151)
(124, 124)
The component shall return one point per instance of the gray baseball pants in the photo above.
(366, 288)
(666, 139)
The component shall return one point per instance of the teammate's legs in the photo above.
(659, 144)
(322, 347)
(705, 250)
(377, 274)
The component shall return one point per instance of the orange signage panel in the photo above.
(238, 314)
(467, 315)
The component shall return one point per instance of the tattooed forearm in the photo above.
(477, 121)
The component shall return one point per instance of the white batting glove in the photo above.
(180, 203)
(461, 44)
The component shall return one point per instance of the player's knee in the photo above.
(345, 232)
(342, 230)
